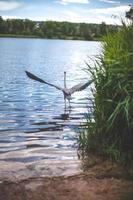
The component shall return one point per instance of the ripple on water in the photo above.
(35, 128)
(35, 138)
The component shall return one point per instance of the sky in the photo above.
(88, 11)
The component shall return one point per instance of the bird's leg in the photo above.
(64, 79)
(65, 104)
(69, 104)
(69, 108)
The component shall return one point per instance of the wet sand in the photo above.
(102, 181)
(79, 187)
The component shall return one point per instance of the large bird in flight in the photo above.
(66, 91)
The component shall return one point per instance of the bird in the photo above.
(67, 92)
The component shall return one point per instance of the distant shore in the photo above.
(25, 28)
(37, 37)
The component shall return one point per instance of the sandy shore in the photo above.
(102, 181)
(78, 187)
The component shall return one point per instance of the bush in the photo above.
(111, 133)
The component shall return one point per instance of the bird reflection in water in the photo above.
(66, 114)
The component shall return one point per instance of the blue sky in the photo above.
(89, 11)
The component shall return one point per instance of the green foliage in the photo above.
(111, 134)
(129, 14)
(53, 29)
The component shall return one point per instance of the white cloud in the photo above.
(111, 11)
(110, 1)
(79, 14)
(9, 5)
(83, 15)
(65, 2)
(110, 15)
(71, 16)
(11, 17)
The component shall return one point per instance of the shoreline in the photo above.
(54, 38)
(98, 182)
(99, 179)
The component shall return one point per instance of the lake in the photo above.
(36, 132)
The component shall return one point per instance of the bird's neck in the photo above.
(64, 79)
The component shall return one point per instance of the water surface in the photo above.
(34, 126)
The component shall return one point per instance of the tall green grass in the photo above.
(111, 132)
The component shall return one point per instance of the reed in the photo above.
(111, 133)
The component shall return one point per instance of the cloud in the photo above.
(107, 15)
(65, 2)
(110, 1)
(111, 15)
(11, 17)
(9, 5)
(71, 16)
(111, 11)
(76, 14)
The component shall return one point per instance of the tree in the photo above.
(103, 28)
(53, 29)
(3, 25)
(129, 14)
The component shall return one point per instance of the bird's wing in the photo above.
(80, 86)
(32, 76)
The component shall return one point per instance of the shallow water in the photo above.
(34, 125)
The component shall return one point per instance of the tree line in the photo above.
(54, 29)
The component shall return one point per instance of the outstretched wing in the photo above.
(32, 76)
(80, 86)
